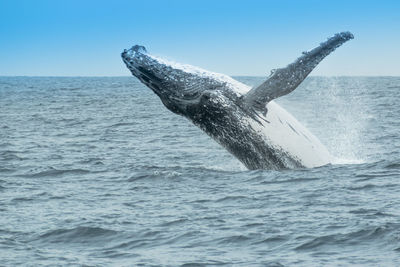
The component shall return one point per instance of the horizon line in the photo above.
(125, 76)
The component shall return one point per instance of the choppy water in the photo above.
(96, 172)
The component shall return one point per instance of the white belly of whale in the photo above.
(283, 132)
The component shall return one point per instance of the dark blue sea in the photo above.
(97, 172)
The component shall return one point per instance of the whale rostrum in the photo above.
(246, 121)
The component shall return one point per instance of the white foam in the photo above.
(233, 84)
(347, 161)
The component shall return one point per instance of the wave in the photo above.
(11, 155)
(193, 169)
(393, 165)
(79, 234)
(175, 172)
(234, 239)
(384, 233)
(233, 199)
(6, 170)
(120, 124)
(52, 172)
(174, 222)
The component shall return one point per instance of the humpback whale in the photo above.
(245, 121)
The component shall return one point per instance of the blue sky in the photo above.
(85, 38)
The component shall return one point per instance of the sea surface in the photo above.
(97, 172)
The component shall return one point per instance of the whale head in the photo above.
(177, 85)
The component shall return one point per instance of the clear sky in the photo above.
(249, 37)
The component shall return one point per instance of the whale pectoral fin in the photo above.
(285, 80)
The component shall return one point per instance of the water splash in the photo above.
(337, 111)
(347, 120)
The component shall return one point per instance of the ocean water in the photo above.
(97, 172)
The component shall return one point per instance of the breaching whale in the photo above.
(246, 121)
